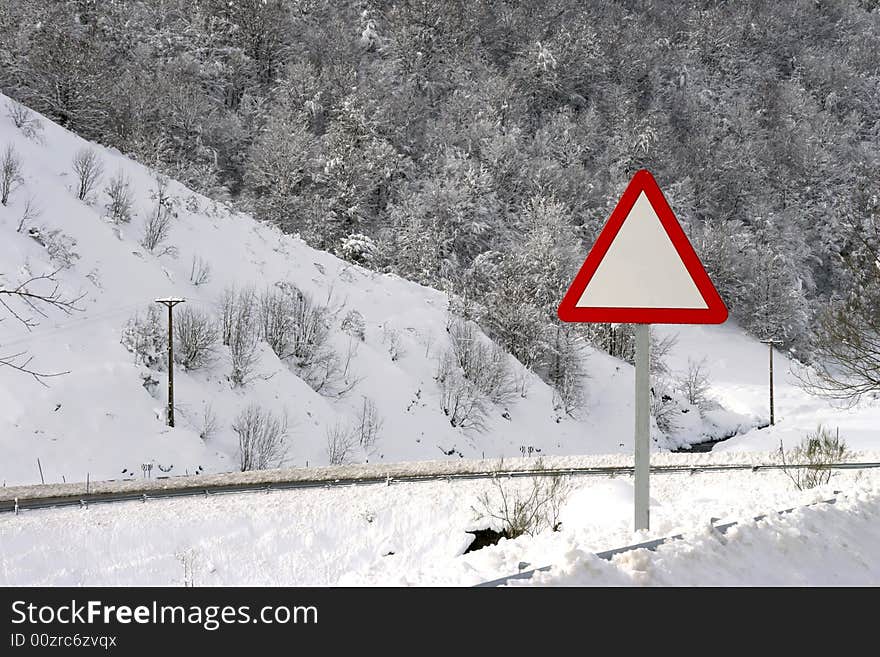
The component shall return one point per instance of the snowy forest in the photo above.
(478, 147)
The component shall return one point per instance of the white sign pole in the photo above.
(643, 425)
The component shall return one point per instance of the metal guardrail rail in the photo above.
(83, 500)
(651, 545)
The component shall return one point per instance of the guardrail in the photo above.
(651, 545)
(51, 501)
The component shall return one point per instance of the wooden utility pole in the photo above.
(770, 343)
(170, 302)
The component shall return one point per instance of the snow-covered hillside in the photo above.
(100, 420)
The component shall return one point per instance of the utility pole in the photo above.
(170, 302)
(770, 342)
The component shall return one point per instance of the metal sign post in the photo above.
(642, 270)
(643, 426)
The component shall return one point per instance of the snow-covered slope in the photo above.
(99, 420)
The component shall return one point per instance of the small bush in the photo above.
(238, 330)
(484, 364)
(30, 213)
(460, 399)
(341, 441)
(119, 207)
(157, 225)
(262, 438)
(88, 169)
(525, 507)
(195, 338)
(25, 120)
(353, 324)
(209, 422)
(199, 271)
(368, 425)
(60, 246)
(694, 385)
(10, 173)
(664, 407)
(146, 336)
(807, 464)
(358, 248)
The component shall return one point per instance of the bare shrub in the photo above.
(30, 213)
(209, 422)
(262, 438)
(275, 321)
(341, 441)
(157, 225)
(145, 335)
(10, 173)
(25, 120)
(199, 271)
(694, 385)
(238, 329)
(485, 364)
(660, 350)
(60, 246)
(353, 324)
(88, 169)
(525, 507)
(368, 425)
(567, 372)
(310, 329)
(807, 465)
(664, 408)
(195, 338)
(460, 399)
(119, 207)
(391, 339)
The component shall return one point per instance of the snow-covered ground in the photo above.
(100, 421)
(415, 534)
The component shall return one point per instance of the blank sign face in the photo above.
(641, 268)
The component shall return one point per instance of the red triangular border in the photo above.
(715, 313)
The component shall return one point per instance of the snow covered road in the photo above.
(415, 534)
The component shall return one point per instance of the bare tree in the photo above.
(37, 294)
(262, 437)
(119, 207)
(88, 169)
(195, 337)
(694, 385)
(29, 214)
(157, 226)
(368, 425)
(199, 271)
(25, 120)
(238, 330)
(10, 173)
(341, 441)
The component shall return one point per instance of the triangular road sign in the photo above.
(642, 268)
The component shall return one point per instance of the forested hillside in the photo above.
(479, 146)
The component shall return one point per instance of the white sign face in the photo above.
(642, 268)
